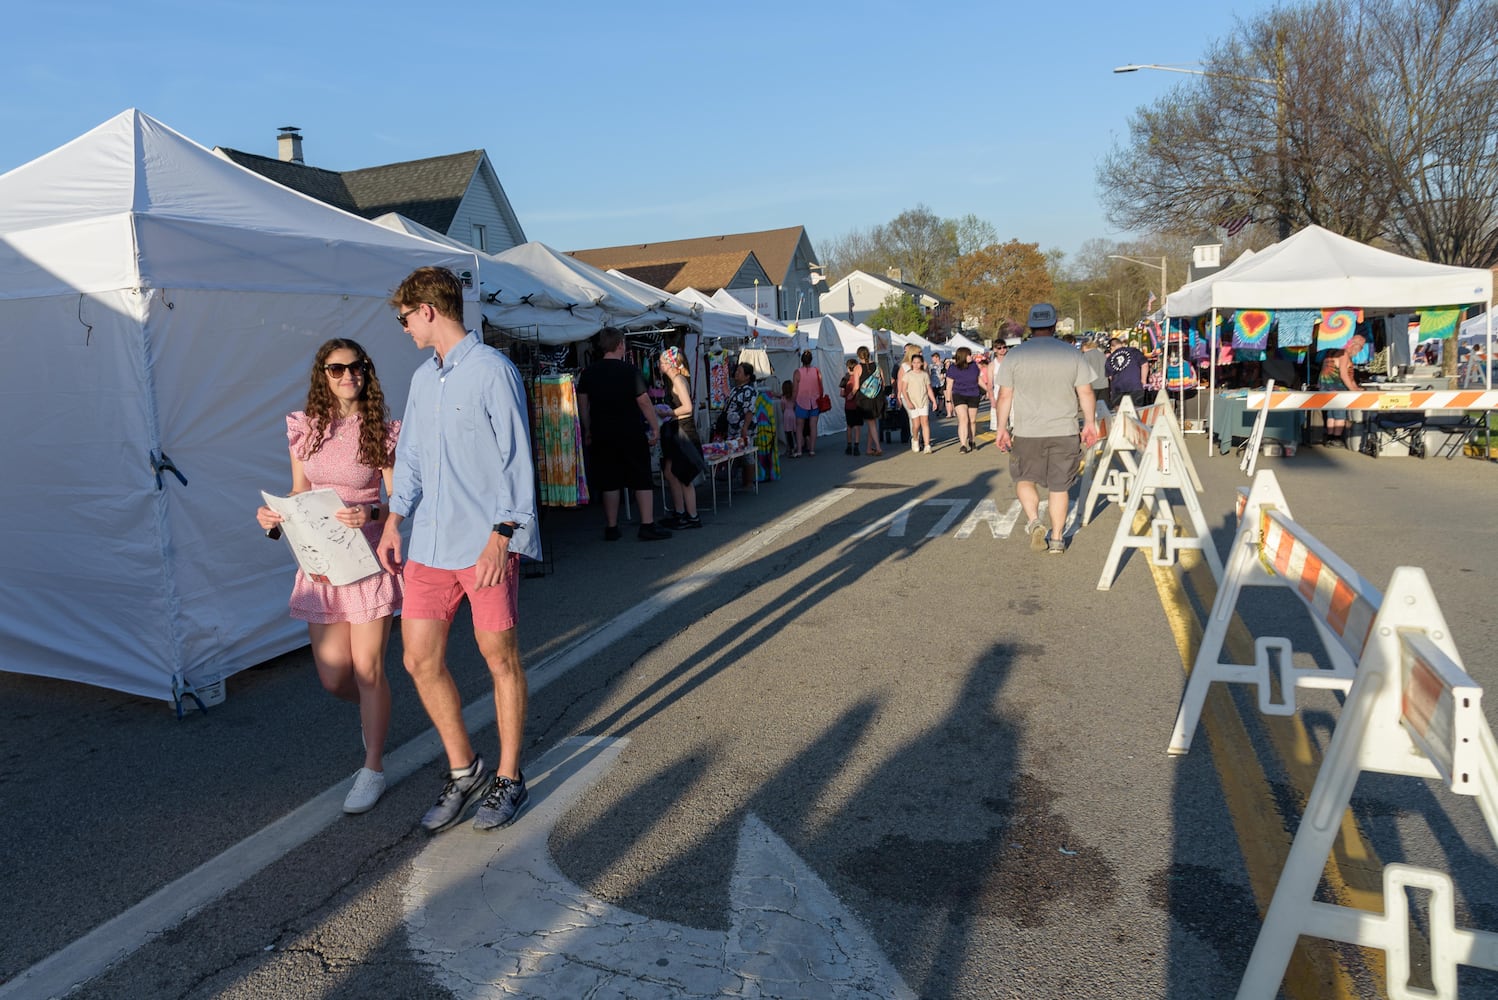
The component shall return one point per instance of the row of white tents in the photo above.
(159, 306)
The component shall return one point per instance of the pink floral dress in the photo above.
(336, 466)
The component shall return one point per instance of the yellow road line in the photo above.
(1316, 971)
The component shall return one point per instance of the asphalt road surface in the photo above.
(853, 739)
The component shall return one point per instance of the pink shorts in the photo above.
(435, 594)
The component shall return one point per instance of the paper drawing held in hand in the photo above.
(328, 550)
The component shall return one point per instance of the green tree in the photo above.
(899, 313)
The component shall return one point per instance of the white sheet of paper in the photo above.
(323, 545)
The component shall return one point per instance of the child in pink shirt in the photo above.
(788, 417)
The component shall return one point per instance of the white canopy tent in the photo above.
(546, 283)
(1317, 269)
(708, 318)
(563, 299)
(957, 340)
(767, 334)
(159, 311)
(853, 337)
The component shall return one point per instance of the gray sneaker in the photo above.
(503, 803)
(1036, 530)
(1056, 547)
(461, 789)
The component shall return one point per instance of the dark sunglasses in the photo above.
(401, 317)
(337, 368)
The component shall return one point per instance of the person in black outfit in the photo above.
(619, 429)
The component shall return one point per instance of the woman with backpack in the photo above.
(870, 397)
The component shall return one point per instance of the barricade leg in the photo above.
(1296, 890)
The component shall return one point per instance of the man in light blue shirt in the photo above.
(464, 475)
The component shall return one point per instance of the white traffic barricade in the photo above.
(1163, 468)
(1412, 710)
(1094, 462)
(1115, 469)
(1271, 550)
(1267, 401)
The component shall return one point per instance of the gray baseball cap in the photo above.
(1042, 315)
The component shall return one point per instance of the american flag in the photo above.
(850, 303)
(1234, 226)
(1150, 305)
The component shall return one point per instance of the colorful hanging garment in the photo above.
(767, 436)
(1438, 323)
(1179, 375)
(1156, 335)
(1297, 326)
(717, 379)
(1337, 326)
(1251, 329)
(558, 435)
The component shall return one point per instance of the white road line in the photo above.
(169, 906)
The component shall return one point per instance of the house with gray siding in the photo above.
(458, 195)
(862, 293)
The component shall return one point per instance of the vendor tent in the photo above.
(159, 310)
(547, 284)
(767, 333)
(708, 319)
(1185, 301)
(1317, 269)
(554, 313)
(957, 340)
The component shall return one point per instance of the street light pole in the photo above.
(1281, 125)
(1145, 263)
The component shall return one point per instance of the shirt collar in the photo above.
(458, 353)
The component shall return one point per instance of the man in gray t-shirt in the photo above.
(1041, 383)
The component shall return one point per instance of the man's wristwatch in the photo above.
(508, 530)
(374, 512)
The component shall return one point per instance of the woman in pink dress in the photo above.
(344, 440)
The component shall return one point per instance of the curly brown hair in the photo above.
(322, 408)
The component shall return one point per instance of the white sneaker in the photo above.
(928, 449)
(915, 446)
(368, 787)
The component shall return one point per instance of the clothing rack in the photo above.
(522, 345)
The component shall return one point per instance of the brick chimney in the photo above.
(289, 144)
(892, 273)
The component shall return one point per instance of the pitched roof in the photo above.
(325, 185)
(775, 249)
(914, 291)
(441, 180)
(707, 273)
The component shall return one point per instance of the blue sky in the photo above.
(613, 123)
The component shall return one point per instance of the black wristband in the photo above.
(274, 533)
(508, 530)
